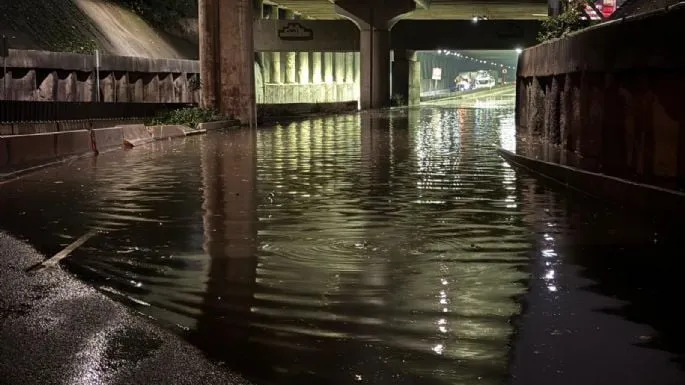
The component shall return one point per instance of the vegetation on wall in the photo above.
(190, 117)
(566, 22)
(161, 12)
(397, 100)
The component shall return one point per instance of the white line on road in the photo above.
(69, 249)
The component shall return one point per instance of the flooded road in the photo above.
(377, 248)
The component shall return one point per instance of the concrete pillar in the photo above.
(290, 58)
(265, 57)
(349, 67)
(340, 67)
(375, 68)
(227, 57)
(207, 27)
(406, 77)
(328, 67)
(357, 73)
(316, 67)
(374, 18)
(304, 67)
(553, 8)
(276, 74)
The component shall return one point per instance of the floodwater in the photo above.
(375, 248)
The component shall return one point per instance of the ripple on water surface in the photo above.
(376, 247)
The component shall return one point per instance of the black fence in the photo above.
(14, 111)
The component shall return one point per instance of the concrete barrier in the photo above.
(270, 111)
(208, 126)
(168, 132)
(4, 155)
(108, 138)
(33, 128)
(73, 125)
(602, 186)
(30, 149)
(136, 135)
(109, 123)
(72, 143)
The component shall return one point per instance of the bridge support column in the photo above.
(374, 18)
(290, 58)
(375, 68)
(328, 67)
(316, 67)
(349, 67)
(406, 77)
(304, 67)
(227, 58)
(276, 74)
(340, 67)
(266, 57)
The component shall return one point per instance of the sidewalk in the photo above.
(56, 330)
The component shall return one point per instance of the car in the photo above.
(463, 85)
(484, 80)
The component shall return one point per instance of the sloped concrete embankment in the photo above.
(608, 100)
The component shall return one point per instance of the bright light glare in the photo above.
(519, 50)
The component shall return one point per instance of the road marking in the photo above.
(69, 249)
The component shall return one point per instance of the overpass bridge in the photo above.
(231, 31)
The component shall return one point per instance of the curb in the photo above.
(610, 188)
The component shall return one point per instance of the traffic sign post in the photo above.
(437, 75)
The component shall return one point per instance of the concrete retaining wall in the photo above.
(310, 93)
(58, 76)
(612, 95)
(300, 109)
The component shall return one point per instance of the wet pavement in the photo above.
(381, 248)
(55, 329)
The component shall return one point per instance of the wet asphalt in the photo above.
(56, 330)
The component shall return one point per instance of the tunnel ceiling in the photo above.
(508, 58)
(439, 9)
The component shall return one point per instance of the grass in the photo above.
(190, 117)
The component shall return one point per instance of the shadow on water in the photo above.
(388, 247)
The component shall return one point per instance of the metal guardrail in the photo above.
(14, 111)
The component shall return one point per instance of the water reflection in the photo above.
(371, 248)
(230, 242)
